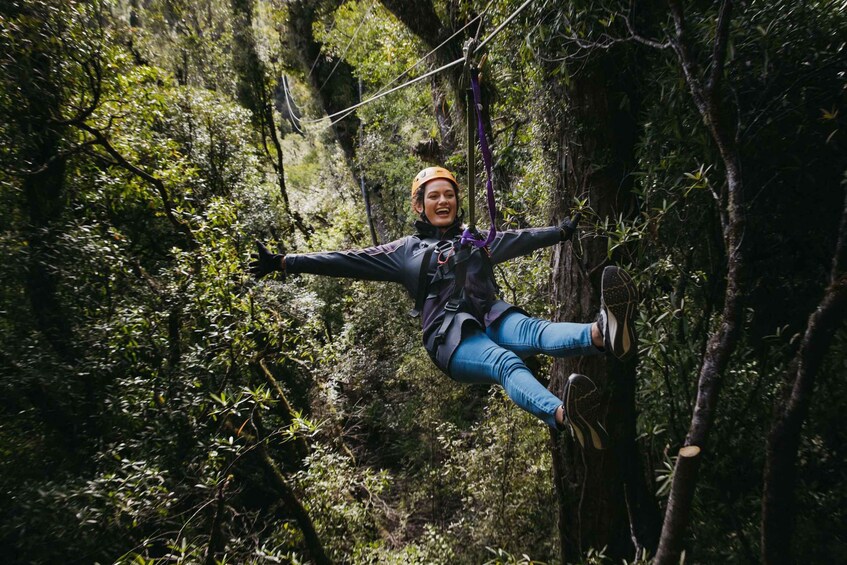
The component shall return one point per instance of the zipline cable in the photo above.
(317, 58)
(443, 43)
(401, 75)
(427, 75)
(291, 95)
(395, 89)
(294, 118)
(504, 24)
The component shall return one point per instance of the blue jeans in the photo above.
(496, 356)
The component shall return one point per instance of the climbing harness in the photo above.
(423, 272)
(461, 249)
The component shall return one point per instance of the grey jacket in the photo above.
(401, 261)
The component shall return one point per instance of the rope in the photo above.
(469, 236)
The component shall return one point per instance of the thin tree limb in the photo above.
(121, 161)
(724, 341)
(719, 47)
(783, 443)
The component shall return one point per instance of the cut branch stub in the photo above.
(689, 451)
(679, 505)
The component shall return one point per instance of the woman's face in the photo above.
(440, 204)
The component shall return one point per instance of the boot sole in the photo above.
(618, 297)
(582, 411)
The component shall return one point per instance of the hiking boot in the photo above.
(583, 411)
(618, 297)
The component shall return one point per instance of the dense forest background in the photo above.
(157, 405)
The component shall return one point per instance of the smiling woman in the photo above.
(435, 196)
(469, 333)
(439, 203)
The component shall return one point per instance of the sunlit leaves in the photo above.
(367, 35)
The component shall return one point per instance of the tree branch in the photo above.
(690, 69)
(638, 37)
(719, 48)
(289, 498)
(791, 410)
(723, 342)
(284, 408)
(157, 183)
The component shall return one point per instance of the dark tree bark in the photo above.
(217, 542)
(599, 492)
(36, 74)
(723, 342)
(790, 411)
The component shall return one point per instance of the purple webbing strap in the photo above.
(468, 236)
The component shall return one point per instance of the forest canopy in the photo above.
(159, 405)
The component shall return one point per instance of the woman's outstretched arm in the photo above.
(378, 263)
(514, 243)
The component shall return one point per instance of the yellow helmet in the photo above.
(429, 174)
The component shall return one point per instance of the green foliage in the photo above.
(372, 39)
(188, 39)
(126, 445)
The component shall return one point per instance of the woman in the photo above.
(471, 335)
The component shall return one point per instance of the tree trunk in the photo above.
(337, 89)
(44, 182)
(723, 342)
(422, 20)
(304, 521)
(595, 142)
(216, 539)
(283, 409)
(335, 92)
(289, 497)
(790, 411)
(255, 94)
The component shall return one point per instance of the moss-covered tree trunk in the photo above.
(422, 20)
(255, 92)
(336, 89)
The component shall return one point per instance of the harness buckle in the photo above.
(452, 305)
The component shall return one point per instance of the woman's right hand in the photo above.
(265, 262)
